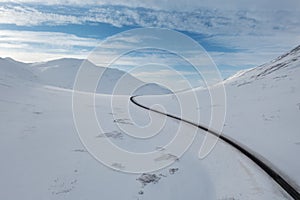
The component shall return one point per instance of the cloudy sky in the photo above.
(237, 34)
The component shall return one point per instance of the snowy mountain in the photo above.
(11, 69)
(62, 73)
(278, 68)
(148, 88)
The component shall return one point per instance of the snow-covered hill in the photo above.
(62, 73)
(262, 111)
(11, 69)
(278, 68)
(148, 88)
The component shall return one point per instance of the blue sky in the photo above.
(237, 35)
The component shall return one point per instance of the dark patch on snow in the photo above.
(147, 178)
(244, 83)
(62, 187)
(167, 157)
(298, 104)
(79, 150)
(280, 77)
(118, 165)
(64, 191)
(141, 192)
(162, 175)
(269, 118)
(123, 121)
(112, 134)
(271, 69)
(37, 112)
(173, 170)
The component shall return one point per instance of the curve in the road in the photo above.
(272, 173)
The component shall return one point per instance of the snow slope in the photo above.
(15, 71)
(262, 111)
(42, 156)
(62, 73)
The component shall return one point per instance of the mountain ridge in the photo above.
(62, 73)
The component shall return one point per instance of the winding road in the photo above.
(271, 172)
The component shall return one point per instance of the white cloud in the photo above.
(47, 38)
(204, 21)
(178, 5)
(252, 50)
(31, 46)
(258, 30)
(26, 16)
